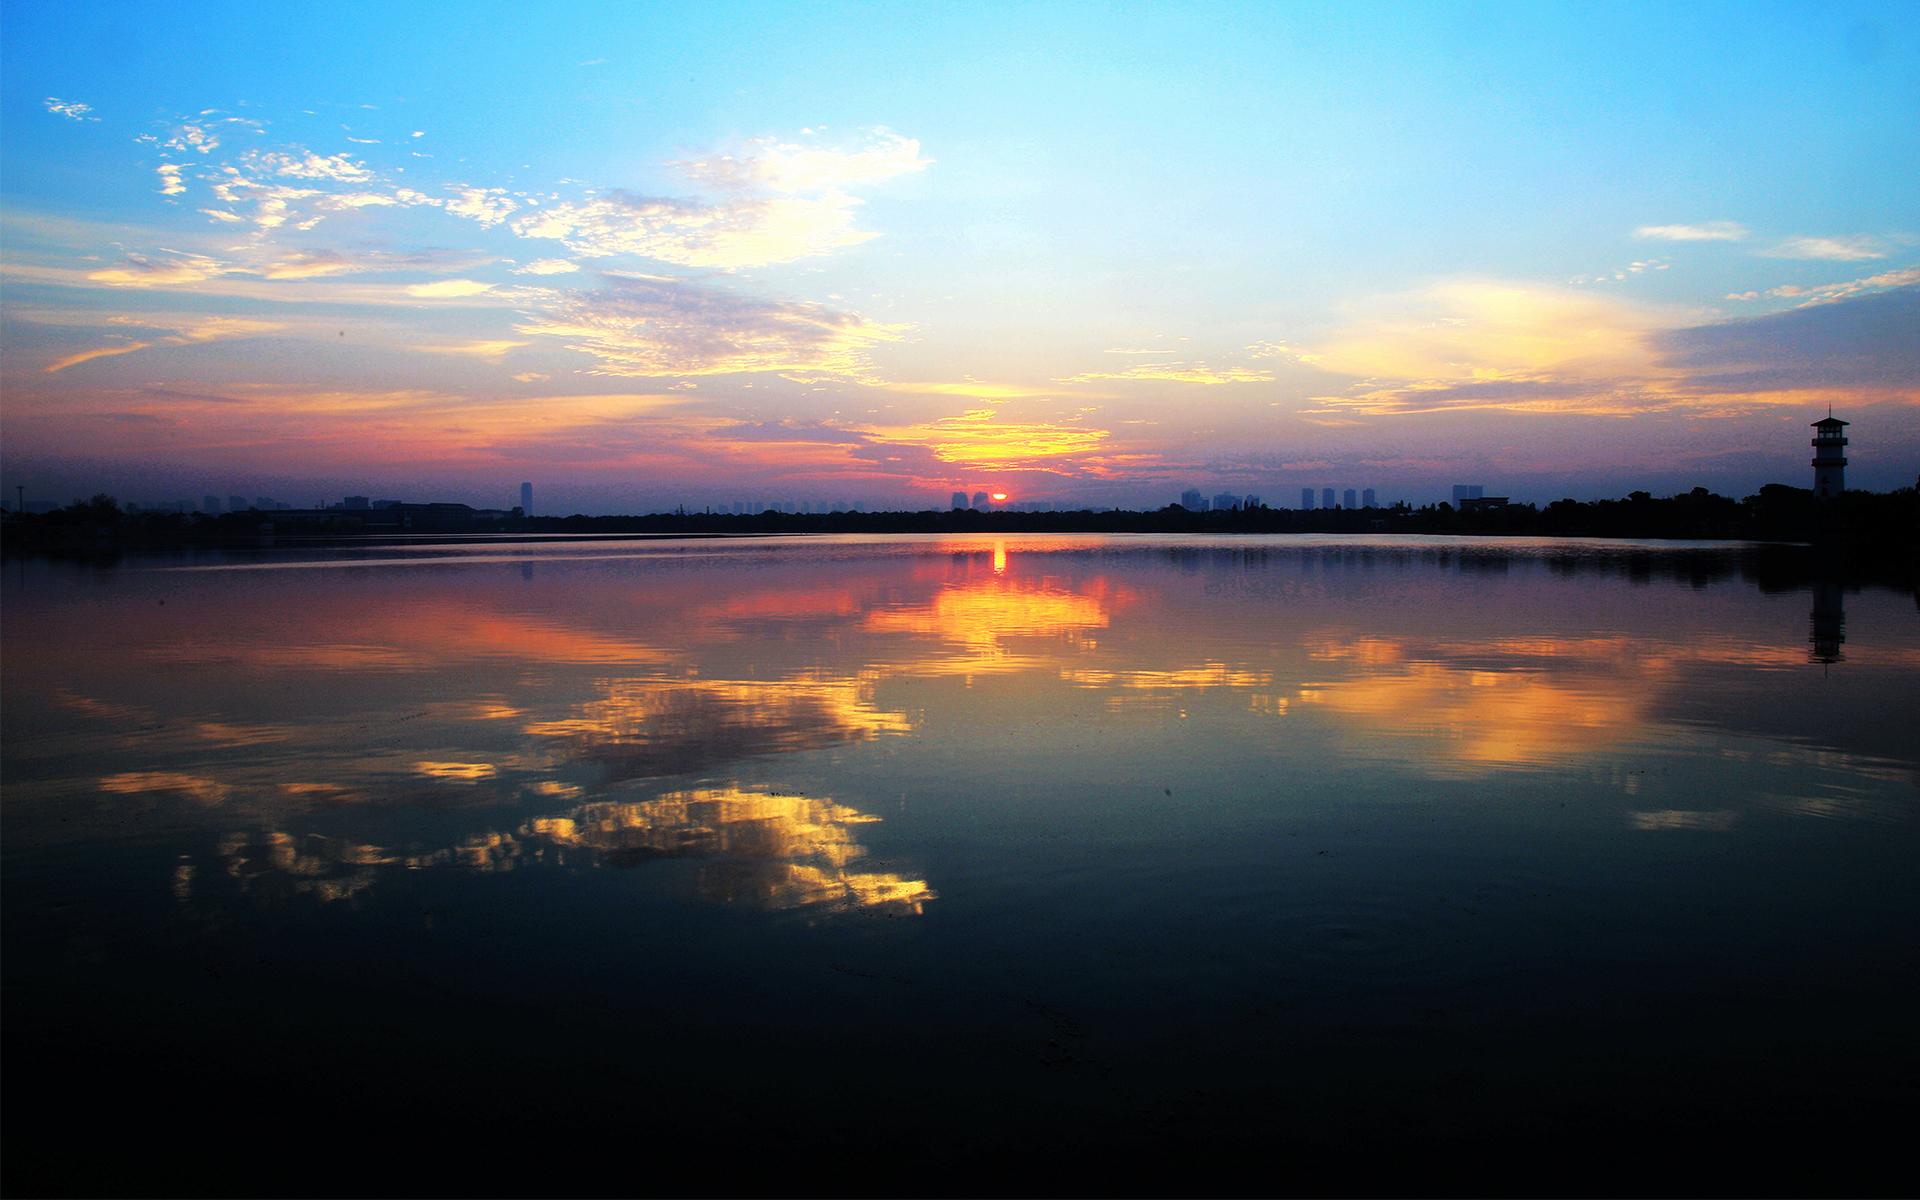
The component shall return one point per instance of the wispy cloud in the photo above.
(1481, 345)
(980, 438)
(493, 350)
(441, 289)
(547, 266)
(1826, 293)
(1176, 372)
(1705, 231)
(780, 202)
(170, 184)
(204, 329)
(649, 326)
(1857, 248)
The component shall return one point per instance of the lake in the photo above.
(959, 864)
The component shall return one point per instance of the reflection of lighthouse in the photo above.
(1828, 622)
(1829, 456)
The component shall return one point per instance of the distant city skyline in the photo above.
(1566, 251)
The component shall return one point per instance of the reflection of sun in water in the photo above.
(999, 558)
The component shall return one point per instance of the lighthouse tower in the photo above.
(1829, 457)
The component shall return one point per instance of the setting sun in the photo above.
(999, 496)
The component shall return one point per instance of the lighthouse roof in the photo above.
(1829, 423)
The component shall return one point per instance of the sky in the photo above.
(1077, 253)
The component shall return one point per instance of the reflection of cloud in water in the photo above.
(772, 851)
(419, 637)
(1205, 676)
(761, 849)
(1522, 701)
(1490, 718)
(985, 618)
(648, 728)
(462, 772)
(1716, 821)
(198, 787)
(1493, 714)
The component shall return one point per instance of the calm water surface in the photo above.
(959, 864)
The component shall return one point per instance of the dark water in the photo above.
(959, 865)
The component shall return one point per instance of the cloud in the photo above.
(493, 350)
(202, 329)
(797, 168)
(197, 138)
(781, 202)
(139, 270)
(73, 110)
(1858, 248)
(449, 288)
(1826, 293)
(1705, 231)
(74, 360)
(310, 264)
(305, 164)
(170, 182)
(1520, 348)
(547, 266)
(1176, 372)
(489, 206)
(980, 439)
(1860, 343)
(649, 326)
(687, 233)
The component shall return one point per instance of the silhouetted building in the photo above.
(1829, 456)
(236, 504)
(1252, 501)
(209, 504)
(1193, 501)
(1226, 502)
(1367, 500)
(1326, 498)
(1306, 498)
(526, 499)
(1351, 499)
(959, 500)
(982, 501)
(1466, 491)
(356, 503)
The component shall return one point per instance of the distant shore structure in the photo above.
(1829, 456)
(526, 499)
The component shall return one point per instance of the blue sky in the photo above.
(1072, 252)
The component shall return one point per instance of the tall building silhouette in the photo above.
(1351, 499)
(1367, 499)
(982, 501)
(1306, 499)
(1829, 456)
(959, 501)
(526, 499)
(1326, 498)
(1193, 501)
